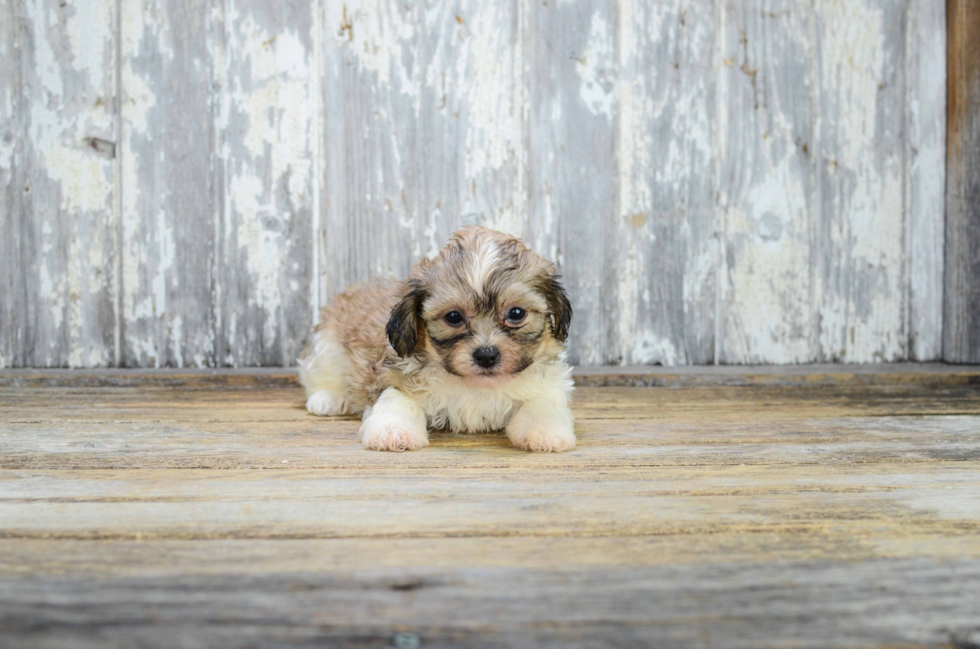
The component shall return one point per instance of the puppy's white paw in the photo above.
(383, 432)
(327, 404)
(540, 434)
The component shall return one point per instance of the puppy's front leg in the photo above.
(544, 425)
(395, 423)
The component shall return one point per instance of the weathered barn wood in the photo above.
(267, 119)
(926, 176)
(720, 181)
(170, 186)
(961, 339)
(59, 213)
(13, 325)
(196, 508)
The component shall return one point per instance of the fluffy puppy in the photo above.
(472, 341)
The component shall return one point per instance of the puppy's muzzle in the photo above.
(486, 357)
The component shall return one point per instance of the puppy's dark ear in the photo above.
(403, 324)
(559, 308)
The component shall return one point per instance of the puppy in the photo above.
(472, 341)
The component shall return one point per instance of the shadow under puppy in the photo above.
(473, 341)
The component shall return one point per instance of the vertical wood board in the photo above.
(718, 181)
(660, 277)
(14, 341)
(67, 214)
(572, 166)
(961, 332)
(767, 182)
(168, 193)
(926, 168)
(267, 77)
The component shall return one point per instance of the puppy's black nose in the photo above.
(486, 356)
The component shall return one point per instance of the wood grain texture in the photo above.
(573, 89)
(768, 182)
(862, 214)
(961, 332)
(866, 604)
(67, 214)
(719, 182)
(925, 60)
(169, 185)
(267, 120)
(422, 132)
(13, 324)
(662, 246)
(821, 514)
(826, 375)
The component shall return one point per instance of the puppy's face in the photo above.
(485, 309)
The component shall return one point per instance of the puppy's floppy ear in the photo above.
(559, 308)
(403, 324)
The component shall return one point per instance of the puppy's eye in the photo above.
(516, 314)
(455, 318)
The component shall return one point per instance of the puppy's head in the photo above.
(485, 309)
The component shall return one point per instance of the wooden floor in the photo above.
(729, 509)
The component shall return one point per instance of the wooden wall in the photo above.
(961, 342)
(721, 181)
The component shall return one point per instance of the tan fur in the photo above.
(351, 360)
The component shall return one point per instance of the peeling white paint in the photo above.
(926, 154)
(71, 185)
(267, 117)
(51, 290)
(771, 315)
(375, 26)
(832, 252)
(596, 67)
(863, 325)
(494, 120)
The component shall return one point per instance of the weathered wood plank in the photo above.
(471, 129)
(168, 185)
(791, 403)
(67, 217)
(925, 159)
(719, 181)
(750, 516)
(267, 122)
(369, 193)
(882, 500)
(114, 559)
(370, 196)
(768, 183)
(659, 285)
(422, 132)
(620, 444)
(860, 236)
(617, 427)
(827, 375)
(902, 602)
(13, 321)
(961, 322)
(570, 54)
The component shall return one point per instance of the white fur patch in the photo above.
(448, 402)
(483, 263)
(326, 369)
(327, 403)
(543, 427)
(394, 423)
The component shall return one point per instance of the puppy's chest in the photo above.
(469, 412)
